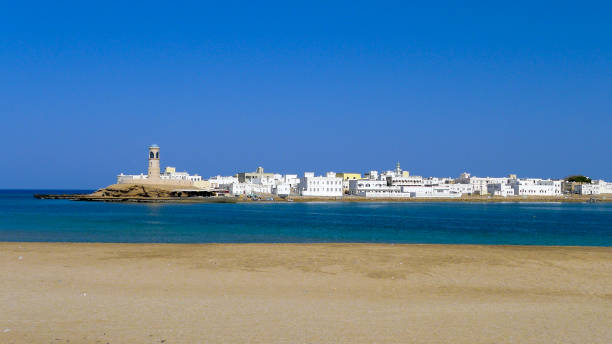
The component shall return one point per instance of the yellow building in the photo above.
(348, 176)
(345, 178)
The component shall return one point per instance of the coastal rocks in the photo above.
(142, 193)
(134, 190)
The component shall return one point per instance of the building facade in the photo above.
(536, 187)
(375, 188)
(500, 189)
(320, 186)
(587, 189)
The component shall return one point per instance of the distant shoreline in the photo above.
(136, 193)
(346, 199)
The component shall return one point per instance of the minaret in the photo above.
(153, 161)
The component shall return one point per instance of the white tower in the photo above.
(154, 161)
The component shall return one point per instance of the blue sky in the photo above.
(222, 87)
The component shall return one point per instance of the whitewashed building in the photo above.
(372, 175)
(249, 189)
(437, 181)
(320, 186)
(222, 182)
(171, 174)
(500, 189)
(536, 187)
(480, 184)
(587, 189)
(405, 180)
(466, 189)
(441, 191)
(604, 187)
(130, 178)
(282, 190)
(375, 188)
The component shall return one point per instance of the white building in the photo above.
(437, 181)
(466, 189)
(588, 189)
(500, 189)
(604, 187)
(266, 180)
(405, 180)
(372, 175)
(441, 191)
(249, 189)
(222, 182)
(480, 184)
(536, 187)
(282, 190)
(320, 186)
(171, 174)
(291, 179)
(130, 178)
(375, 188)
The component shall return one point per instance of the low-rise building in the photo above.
(246, 177)
(291, 179)
(536, 187)
(465, 189)
(500, 189)
(346, 177)
(222, 182)
(480, 184)
(375, 188)
(439, 191)
(405, 180)
(587, 189)
(282, 190)
(320, 186)
(372, 175)
(249, 189)
(171, 174)
(604, 187)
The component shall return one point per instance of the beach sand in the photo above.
(318, 293)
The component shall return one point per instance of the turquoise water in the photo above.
(23, 218)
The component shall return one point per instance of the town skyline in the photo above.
(396, 183)
(182, 163)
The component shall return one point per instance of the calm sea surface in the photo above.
(23, 218)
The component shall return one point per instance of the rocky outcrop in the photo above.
(136, 190)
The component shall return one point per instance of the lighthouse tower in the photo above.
(153, 161)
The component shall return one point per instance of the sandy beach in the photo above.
(318, 293)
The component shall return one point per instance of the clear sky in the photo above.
(222, 87)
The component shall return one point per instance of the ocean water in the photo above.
(24, 218)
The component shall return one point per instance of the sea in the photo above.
(24, 218)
